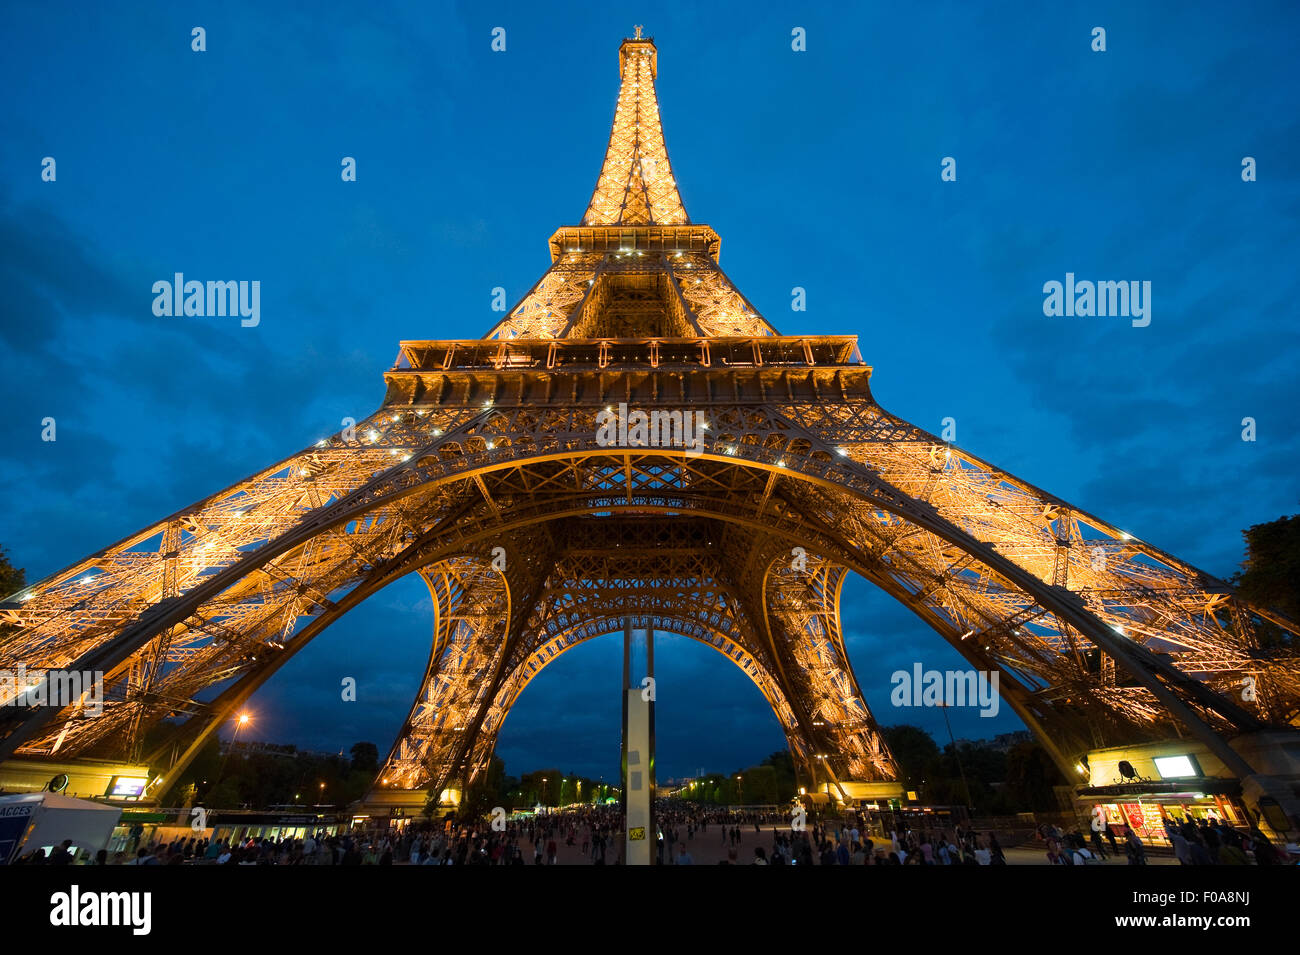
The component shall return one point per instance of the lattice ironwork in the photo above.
(1098, 638)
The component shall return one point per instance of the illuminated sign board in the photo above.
(127, 787)
(1176, 767)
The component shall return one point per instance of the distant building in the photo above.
(251, 747)
(1005, 741)
(1000, 743)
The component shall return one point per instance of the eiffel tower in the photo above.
(484, 471)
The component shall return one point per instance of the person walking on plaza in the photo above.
(61, 854)
(1230, 852)
(1137, 853)
(1265, 853)
(1182, 851)
(996, 855)
(1197, 850)
(1097, 848)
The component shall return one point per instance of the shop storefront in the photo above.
(240, 827)
(143, 828)
(1147, 807)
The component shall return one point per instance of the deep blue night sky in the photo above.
(820, 169)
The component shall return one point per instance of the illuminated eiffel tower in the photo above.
(486, 472)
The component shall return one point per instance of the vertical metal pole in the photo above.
(970, 810)
(622, 692)
(640, 835)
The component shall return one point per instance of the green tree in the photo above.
(1031, 774)
(760, 785)
(12, 580)
(225, 795)
(483, 796)
(915, 751)
(542, 785)
(496, 774)
(786, 782)
(984, 767)
(1270, 575)
(365, 757)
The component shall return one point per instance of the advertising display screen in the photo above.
(1175, 767)
(127, 787)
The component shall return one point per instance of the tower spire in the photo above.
(636, 266)
(636, 184)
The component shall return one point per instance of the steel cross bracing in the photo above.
(1097, 638)
(264, 566)
(636, 265)
(636, 184)
(668, 576)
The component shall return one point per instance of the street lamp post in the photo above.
(240, 722)
(970, 810)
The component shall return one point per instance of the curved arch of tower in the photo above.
(514, 474)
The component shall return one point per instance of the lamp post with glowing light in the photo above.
(970, 810)
(240, 722)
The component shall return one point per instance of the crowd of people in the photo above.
(833, 842)
(1207, 842)
(596, 833)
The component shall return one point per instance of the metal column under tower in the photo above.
(638, 763)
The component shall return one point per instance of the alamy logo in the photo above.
(210, 300)
(655, 429)
(74, 907)
(946, 688)
(56, 688)
(1103, 299)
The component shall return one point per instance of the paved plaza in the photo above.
(710, 848)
